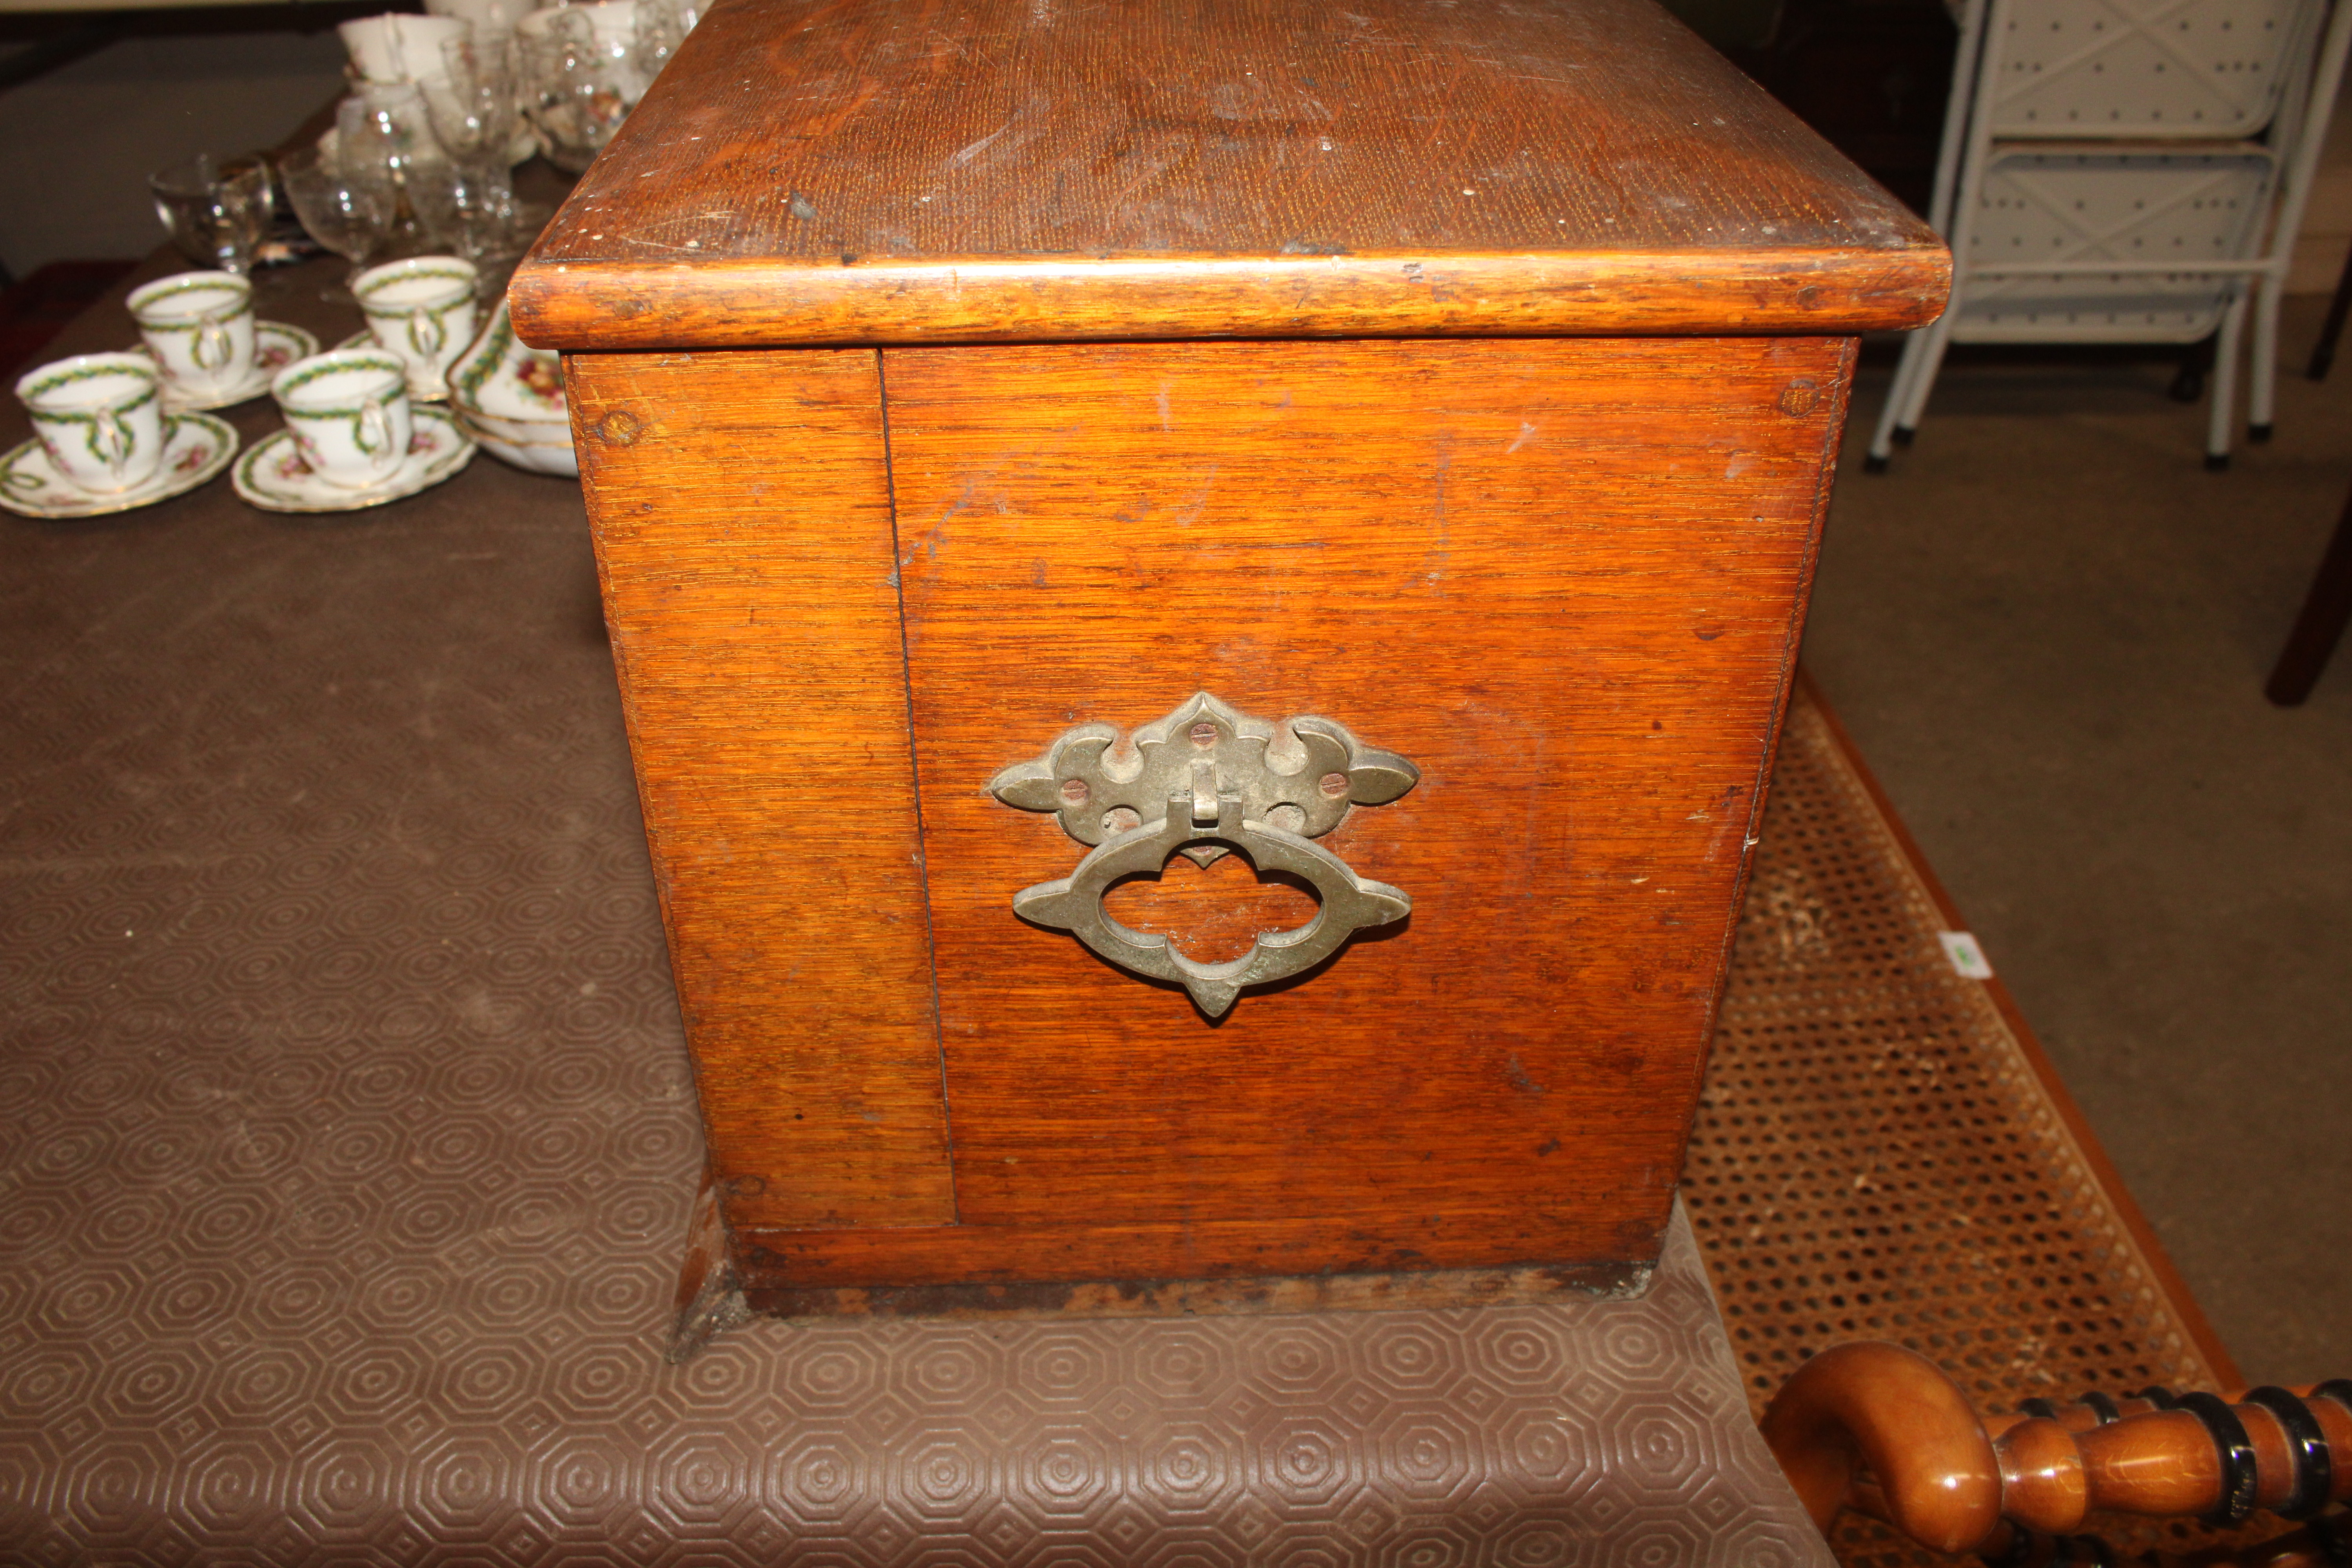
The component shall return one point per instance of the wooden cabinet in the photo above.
(948, 376)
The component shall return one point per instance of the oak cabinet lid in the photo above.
(944, 170)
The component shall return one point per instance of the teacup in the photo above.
(99, 417)
(488, 18)
(399, 46)
(349, 414)
(199, 326)
(423, 309)
(606, 35)
(614, 23)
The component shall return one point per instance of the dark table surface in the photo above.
(347, 1137)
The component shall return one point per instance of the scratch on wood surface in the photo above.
(966, 153)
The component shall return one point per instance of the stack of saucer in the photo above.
(509, 397)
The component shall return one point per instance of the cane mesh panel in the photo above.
(1876, 1158)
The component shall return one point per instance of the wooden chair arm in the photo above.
(1950, 1480)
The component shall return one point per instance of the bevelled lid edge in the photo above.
(585, 305)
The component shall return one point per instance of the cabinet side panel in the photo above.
(1563, 577)
(744, 532)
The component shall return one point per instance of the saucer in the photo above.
(507, 379)
(555, 457)
(510, 397)
(276, 345)
(273, 475)
(364, 338)
(197, 448)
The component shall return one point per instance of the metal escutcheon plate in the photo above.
(1203, 781)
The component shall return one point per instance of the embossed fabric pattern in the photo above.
(347, 1141)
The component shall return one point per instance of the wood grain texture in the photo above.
(1563, 577)
(744, 532)
(930, 170)
(1882, 1405)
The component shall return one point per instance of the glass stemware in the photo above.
(349, 217)
(473, 112)
(473, 105)
(662, 26)
(383, 134)
(474, 119)
(215, 211)
(580, 81)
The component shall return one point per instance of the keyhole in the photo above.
(1212, 913)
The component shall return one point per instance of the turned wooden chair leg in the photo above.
(2326, 610)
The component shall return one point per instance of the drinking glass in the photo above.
(662, 26)
(578, 84)
(473, 112)
(487, 18)
(466, 206)
(349, 217)
(384, 135)
(216, 211)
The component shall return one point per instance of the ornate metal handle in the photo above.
(1203, 781)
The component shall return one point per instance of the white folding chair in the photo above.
(2126, 170)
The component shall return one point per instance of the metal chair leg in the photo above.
(2261, 393)
(2225, 385)
(1883, 439)
(1931, 365)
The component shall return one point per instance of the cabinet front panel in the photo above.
(1565, 578)
(742, 528)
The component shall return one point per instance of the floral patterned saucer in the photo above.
(273, 475)
(276, 345)
(195, 447)
(510, 397)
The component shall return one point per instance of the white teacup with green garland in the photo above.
(99, 417)
(423, 309)
(199, 327)
(348, 411)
